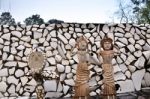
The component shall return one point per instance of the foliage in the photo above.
(34, 19)
(51, 21)
(6, 19)
(135, 11)
(124, 14)
(145, 13)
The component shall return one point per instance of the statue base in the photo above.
(109, 97)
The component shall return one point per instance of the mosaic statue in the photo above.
(107, 54)
(82, 74)
(36, 60)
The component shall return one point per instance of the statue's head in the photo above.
(82, 43)
(107, 43)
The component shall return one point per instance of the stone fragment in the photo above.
(116, 68)
(67, 35)
(22, 64)
(70, 82)
(3, 72)
(126, 86)
(132, 41)
(146, 46)
(11, 89)
(123, 40)
(51, 60)
(123, 67)
(138, 53)
(17, 34)
(105, 28)
(5, 30)
(33, 41)
(12, 71)
(119, 44)
(4, 56)
(24, 80)
(137, 46)
(69, 75)
(10, 63)
(46, 43)
(92, 82)
(119, 60)
(62, 38)
(37, 35)
(3, 86)
(118, 34)
(146, 79)
(11, 27)
(87, 35)
(53, 44)
(32, 82)
(118, 29)
(137, 78)
(141, 42)
(119, 76)
(131, 48)
(72, 42)
(29, 89)
(20, 53)
(6, 49)
(18, 87)
(65, 62)
(130, 59)
(92, 93)
(60, 68)
(51, 83)
(128, 74)
(65, 89)
(53, 33)
(136, 37)
(19, 73)
(132, 30)
(140, 62)
(62, 77)
(61, 51)
(13, 80)
(41, 40)
(1, 41)
(53, 94)
(6, 36)
(67, 69)
(146, 54)
(75, 57)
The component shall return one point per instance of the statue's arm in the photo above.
(116, 50)
(100, 58)
(93, 60)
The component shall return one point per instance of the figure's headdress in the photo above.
(82, 38)
(106, 39)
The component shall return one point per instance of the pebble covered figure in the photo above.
(82, 73)
(109, 91)
(40, 93)
(36, 60)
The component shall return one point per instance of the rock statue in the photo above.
(82, 74)
(36, 60)
(108, 52)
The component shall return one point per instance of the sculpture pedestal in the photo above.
(109, 97)
(40, 92)
(79, 97)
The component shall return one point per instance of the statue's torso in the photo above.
(82, 74)
(107, 56)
